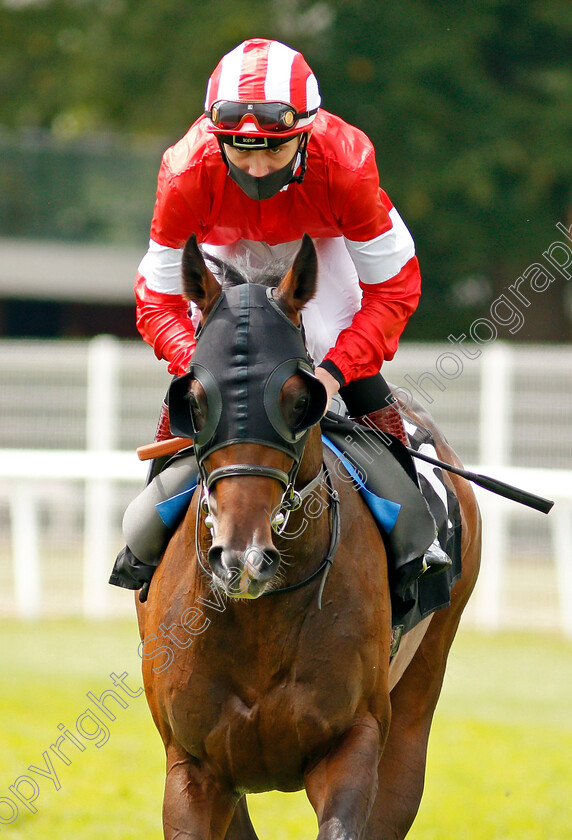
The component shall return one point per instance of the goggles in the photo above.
(274, 117)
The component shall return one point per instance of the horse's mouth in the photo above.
(245, 574)
(241, 587)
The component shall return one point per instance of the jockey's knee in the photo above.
(144, 530)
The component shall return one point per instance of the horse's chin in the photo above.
(247, 590)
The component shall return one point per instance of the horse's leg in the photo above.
(414, 698)
(195, 807)
(402, 765)
(342, 786)
(241, 828)
(413, 702)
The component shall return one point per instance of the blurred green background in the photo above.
(468, 104)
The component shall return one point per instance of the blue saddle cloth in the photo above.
(384, 511)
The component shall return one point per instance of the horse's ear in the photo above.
(299, 285)
(199, 284)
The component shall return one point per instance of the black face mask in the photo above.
(246, 350)
(265, 187)
(269, 185)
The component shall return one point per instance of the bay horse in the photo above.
(295, 690)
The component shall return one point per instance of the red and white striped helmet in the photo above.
(250, 83)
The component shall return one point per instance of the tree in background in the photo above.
(126, 65)
(468, 104)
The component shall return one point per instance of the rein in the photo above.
(291, 500)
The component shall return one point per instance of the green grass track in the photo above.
(499, 768)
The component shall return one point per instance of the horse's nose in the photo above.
(243, 574)
(261, 563)
(220, 567)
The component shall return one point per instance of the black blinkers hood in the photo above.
(246, 350)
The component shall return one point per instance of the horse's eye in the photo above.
(198, 407)
(295, 402)
(299, 409)
(195, 405)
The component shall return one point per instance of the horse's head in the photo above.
(248, 401)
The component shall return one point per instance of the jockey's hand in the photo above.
(329, 382)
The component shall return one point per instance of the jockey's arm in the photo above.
(330, 383)
(390, 282)
(162, 312)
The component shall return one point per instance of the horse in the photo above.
(266, 633)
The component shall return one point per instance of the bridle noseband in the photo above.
(291, 501)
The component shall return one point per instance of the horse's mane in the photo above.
(237, 272)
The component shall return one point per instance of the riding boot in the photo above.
(388, 421)
(145, 531)
(163, 432)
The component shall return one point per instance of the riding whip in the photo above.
(523, 497)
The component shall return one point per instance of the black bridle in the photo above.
(292, 500)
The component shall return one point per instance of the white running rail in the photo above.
(25, 470)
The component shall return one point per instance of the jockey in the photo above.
(264, 164)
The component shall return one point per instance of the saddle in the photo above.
(383, 473)
(408, 520)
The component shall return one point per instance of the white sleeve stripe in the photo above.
(379, 259)
(161, 268)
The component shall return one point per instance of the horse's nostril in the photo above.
(217, 564)
(258, 563)
(214, 556)
(262, 563)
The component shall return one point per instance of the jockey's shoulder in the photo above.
(197, 147)
(339, 142)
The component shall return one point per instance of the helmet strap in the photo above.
(303, 159)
